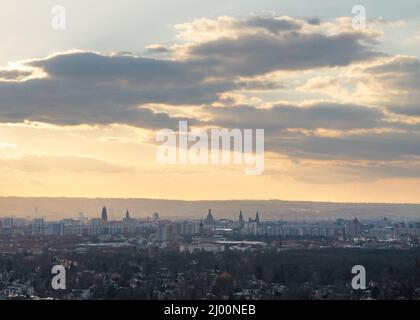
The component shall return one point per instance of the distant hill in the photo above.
(53, 208)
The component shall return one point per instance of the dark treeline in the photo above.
(292, 274)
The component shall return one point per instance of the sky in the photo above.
(80, 106)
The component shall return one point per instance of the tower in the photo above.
(241, 218)
(210, 219)
(127, 215)
(257, 218)
(201, 227)
(104, 215)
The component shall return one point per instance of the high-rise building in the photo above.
(353, 228)
(54, 229)
(104, 215)
(169, 232)
(241, 219)
(38, 226)
(162, 232)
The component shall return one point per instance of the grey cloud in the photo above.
(273, 24)
(134, 71)
(399, 65)
(13, 74)
(72, 103)
(91, 88)
(325, 115)
(261, 85)
(314, 21)
(402, 76)
(369, 146)
(251, 55)
(399, 141)
(87, 87)
(157, 48)
(408, 109)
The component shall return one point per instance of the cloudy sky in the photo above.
(80, 107)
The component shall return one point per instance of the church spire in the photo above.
(104, 215)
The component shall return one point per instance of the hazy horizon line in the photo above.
(208, 200)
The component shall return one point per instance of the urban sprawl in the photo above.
(208, 258)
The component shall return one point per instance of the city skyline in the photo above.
(59, 208)
(237, 259)
(234, 259)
